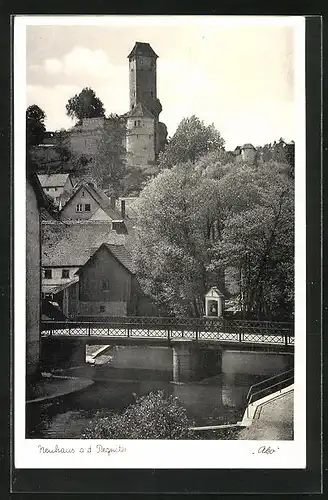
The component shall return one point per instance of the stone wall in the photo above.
(33, 281)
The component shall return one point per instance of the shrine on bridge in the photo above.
(214, 302)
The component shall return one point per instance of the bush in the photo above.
(154, 416)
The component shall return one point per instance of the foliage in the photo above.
(280, 153)
(258, 239)
(154, 416)
(195, 221)
(174, 228)
(191, 140)
(107, 169)
(85, 105)
(35, 128)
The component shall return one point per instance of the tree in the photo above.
(154, 416)
(107, 169)
(35, 128)
(197, 221)
(85, 105)
(258, 239)
(191, 140)
(177, 212)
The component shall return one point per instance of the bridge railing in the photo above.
(176, 328)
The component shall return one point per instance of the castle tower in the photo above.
(142, 71)
(140, 136)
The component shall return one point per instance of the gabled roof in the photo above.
(119, 252)
(72, 244)
(142, 49)
(53, 180)
(99, 196)
(248, 146)
(140, 110)
(214, 291)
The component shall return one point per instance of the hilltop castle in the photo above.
(145, 134)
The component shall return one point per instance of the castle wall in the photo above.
(85, 138)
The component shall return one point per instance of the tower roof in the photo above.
(140, 110)
(142, 49)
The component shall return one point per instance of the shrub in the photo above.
(154, 416)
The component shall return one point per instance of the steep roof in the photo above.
(72, 244)
(140, 110)
(119, 252)
(53, 180)
(99, 196)
(142, 49)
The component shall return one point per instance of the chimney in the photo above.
(112, 200)
(123, 208)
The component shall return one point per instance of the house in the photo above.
(108, 285)
(36, 202)
(58, 186)
(67, 246)
(88, 202)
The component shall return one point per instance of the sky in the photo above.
(239, 76)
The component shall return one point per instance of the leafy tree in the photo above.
(191, 140)
(154, 416)
(177, 212)
(85, 105)
(107, 169)
(35, 128)
(258, 239)
(195, 224)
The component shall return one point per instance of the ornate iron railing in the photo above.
(176, 328)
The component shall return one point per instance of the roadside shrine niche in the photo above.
(214, 302)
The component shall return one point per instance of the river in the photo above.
(212, 401)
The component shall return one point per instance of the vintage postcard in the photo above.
(160, 263)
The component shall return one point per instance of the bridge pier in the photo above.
(59, 353)
(191, 363)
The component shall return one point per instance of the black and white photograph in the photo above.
(160, 241)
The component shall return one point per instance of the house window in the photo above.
(55, 189)
(79, 207)
(65, 273)
(102, 309)
(135, 123)
(152, 94)
(139, 123)
(87, 207)
(82, 193)
(105, 285)
(48, 274)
